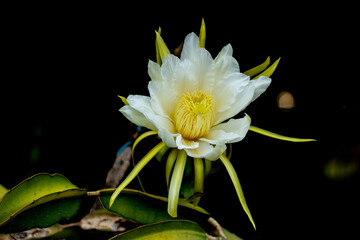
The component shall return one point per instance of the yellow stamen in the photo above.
(193, 115)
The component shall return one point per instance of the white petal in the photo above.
(163, 98)
(227, 89)
(226, 51)
(261, 84)
(225, 63)
(142, 104)
(154, 71)
(137, 117)
(184, 79)
(232, 131)
(196, 71)
(206, 150)
(191, 45)
(237, 101)
(167, 137)
(182, 143)
(203, 70)
(168, 68)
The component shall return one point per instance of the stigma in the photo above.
(194, 114)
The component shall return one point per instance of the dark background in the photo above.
(64, 65)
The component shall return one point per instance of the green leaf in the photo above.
(3, 190)
(258, 69)
(278, 136)
(39, 201)
(146, 208)
(175, 230)
(230, 236)
(269, 71)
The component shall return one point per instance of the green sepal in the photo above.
(235, 180)
(269, 71)
(258, 69)
(161, 48)
(140, 165)
(202, 35)
(278, 136)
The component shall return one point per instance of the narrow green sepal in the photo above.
(123, 99)
(235, 180)
(175, 183)
(198, 178)
(141, 164)
(170, 164)
(258, 69)
(202, 35)
(269, 71)
(161, 48)
(278, 136)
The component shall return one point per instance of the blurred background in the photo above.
(63, 67)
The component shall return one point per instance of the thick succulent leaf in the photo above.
(230, 236)
(39, 201)
(175, 230)
(3, 190)
(146, 208)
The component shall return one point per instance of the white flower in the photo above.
(192, 99)
(192, 104)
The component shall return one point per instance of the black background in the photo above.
(64, 65)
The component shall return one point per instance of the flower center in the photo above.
(193, 114)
